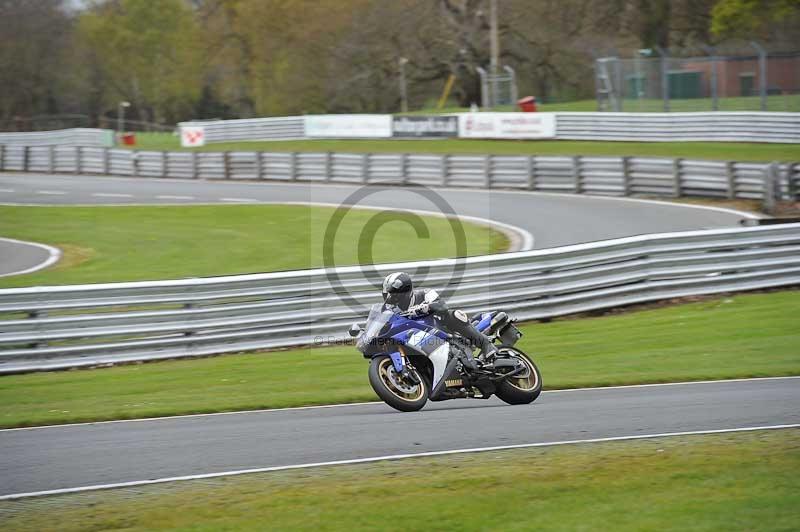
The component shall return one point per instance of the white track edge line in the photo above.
(53, 256)
(341, 405)
(97, 487)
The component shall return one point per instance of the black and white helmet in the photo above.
(397, 290)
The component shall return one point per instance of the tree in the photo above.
(755, 18)
(148, 52)
(34, 37)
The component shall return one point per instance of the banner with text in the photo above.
(425, 126)
(348, 126)
(507, 125)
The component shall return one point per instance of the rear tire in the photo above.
(524, 388)
(393, 389)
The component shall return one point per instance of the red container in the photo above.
(527, 104)
(129, 139)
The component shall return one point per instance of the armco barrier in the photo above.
(612, 176)
(61, 137)
(651, 127)
(45, 328)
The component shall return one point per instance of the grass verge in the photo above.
(738, 481)
(747, 335)
(738, 151)
(109, 244)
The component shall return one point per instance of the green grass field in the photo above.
(739, 151)
(739, 481)
(753, 335)
(109, 244)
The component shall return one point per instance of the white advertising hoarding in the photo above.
(507, 125)
(193, 136)
(348, 126)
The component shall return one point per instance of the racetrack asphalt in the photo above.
(52, 458)
(552, 219)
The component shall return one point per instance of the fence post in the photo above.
(365, 168)
(676, 176)
(78, 159)
(2, 157)
(762, 73)
(576, 173)
(404, 168)
(443, 169)
(487, 171)
(626, 176)
(51, 159)
(25, 157)
(164, 164)
(664, 76)
(328, 167)
(106, 162)
(731, 176)
(530, 163)
(293, 166)
(226, 163)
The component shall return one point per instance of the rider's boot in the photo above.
(487, 348)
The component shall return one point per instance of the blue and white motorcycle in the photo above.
(413, 361)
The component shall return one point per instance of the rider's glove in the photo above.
(419, 310)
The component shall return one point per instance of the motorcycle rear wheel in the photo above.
(522, 389)
(394, 389)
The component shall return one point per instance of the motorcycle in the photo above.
(413, 361)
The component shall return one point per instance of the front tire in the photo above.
(394, 389)
(524, 388)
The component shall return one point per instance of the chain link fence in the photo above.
(654, 81)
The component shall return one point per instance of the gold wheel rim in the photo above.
(528, 382)
(387, 366)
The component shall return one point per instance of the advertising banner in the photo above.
(425, 126)
(507, 125)
(193, 136)
(348, 126)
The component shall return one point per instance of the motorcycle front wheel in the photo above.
(523, 388)
(395, 390)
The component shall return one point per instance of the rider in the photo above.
(398, 291)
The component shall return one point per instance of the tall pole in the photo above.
(403, 92)
(121, 119)
(494, 47)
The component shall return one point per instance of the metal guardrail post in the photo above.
(771, 187)
(2, 157)
(51, 159)
(293, 166)
(164, 164)
(226, 163)
(135, 163)
(487, 171)
(195, 167)
(328, 167)
(404, 168)
(25, 158)
(791, 170)
(106, 162)
(78, 159)
(530, 164)
(443, 169)
(365, 168)
(731, 176)
(626, 176)
(576, 174)
(677, 177)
